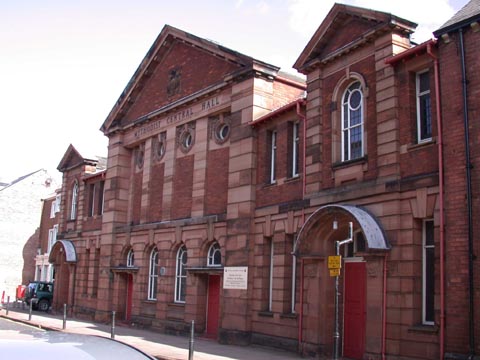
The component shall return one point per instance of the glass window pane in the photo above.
(424, 82)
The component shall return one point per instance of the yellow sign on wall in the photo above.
(334, 272)
(335, 262)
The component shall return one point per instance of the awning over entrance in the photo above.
(65, 246)
(374, 235)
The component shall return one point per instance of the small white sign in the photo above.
(235, 277)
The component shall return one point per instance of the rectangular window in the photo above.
(52, 237)
(273, 155)
(428, 310)
(100, 197)
(295, 149)
(424, 114)
(91, 199)
(52, 210)
(58, 200)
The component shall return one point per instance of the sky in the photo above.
(64, 63)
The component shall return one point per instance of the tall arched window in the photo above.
(352, 122)
(130, 258)
(214, 255)
(181, 275)
(73, 212)
(153, 275)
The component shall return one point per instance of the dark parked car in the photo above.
(40, 294)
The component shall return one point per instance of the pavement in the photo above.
(158, 345)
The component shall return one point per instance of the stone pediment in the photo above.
(178, 66)
(346, 28)
(72, 159)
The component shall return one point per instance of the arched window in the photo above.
(153, 275)
(214, 255)
(130, 258)
(73, 212)
(352, 122)
(181, 275)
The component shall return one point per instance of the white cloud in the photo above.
(307, 15)
(263, 7)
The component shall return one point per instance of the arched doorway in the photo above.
(63, 256)
(360, 270)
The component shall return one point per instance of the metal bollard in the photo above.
(8, 303)
(192, 335)
(112, 334)
(30, 311)
(64, 316)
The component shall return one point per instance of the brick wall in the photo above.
(155, 189)
(457, 296)
(216, 183)
(188, 60)
(286, 188)
(182, 187)
(137, 196)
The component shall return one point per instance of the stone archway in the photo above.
(63, 256)
(314, 243)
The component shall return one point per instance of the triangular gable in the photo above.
(346, 27)
(72, 159)
(178, 65)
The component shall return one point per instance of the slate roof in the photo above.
(464, 17)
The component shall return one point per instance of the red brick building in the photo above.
(227, 191)
(459, 67)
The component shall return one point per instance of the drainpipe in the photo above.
(384, 312)
(441, 198)
(469, 197)
(304, 185)
(304, 130)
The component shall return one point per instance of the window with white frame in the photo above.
(101, 197)
(58, 200)
(91, 199)
(295, 148)
(424, 113)
(214, 255)
(73, 211)
(52, 210)
(55, 206)
(181, 275)
(153, 275)
(52, 237)
(273, 155)
(352, 122)
(428, 306)
(130, 258)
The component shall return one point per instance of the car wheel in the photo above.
(43, 305)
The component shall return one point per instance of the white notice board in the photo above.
(235, 277)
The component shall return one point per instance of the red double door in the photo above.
(213, 306)
(354, 310)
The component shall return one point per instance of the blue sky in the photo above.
(63, 64)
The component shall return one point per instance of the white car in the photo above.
(56, 345)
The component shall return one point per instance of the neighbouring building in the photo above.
(20, 209)
(44, 270)
(459, 68)
(231, 186)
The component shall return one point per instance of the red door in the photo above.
(213, 306)
(128, 307)
(354, 310)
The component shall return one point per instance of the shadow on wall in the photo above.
(29, 252)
